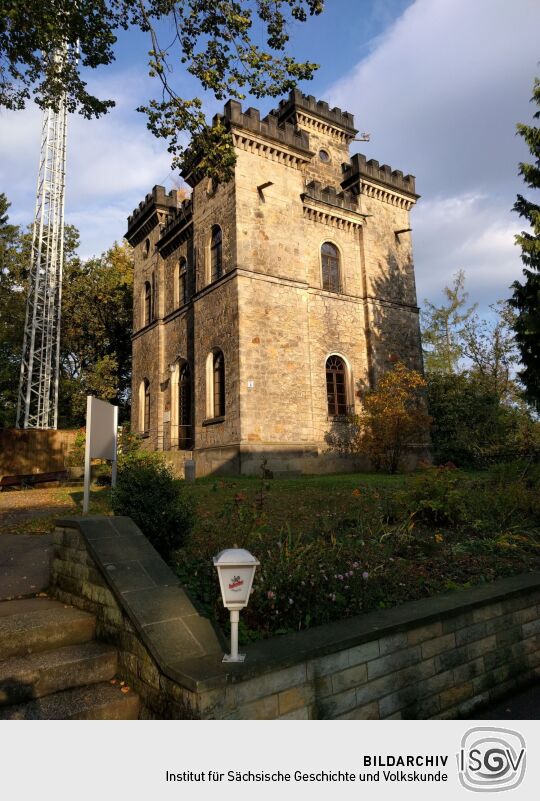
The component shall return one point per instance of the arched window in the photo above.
(146, 250)
(219, 385)
(216, 253)
(144, 406)
(215, 385)
(182, 283)
(336, 386)
(185, 438)
(147, 317)
(331, 279)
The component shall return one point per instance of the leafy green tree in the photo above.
(489, 346)
(441, 327)
(213, 40)
(95, 336)
(12, 311)
(473, 426)
(96, 333)
(526, 297)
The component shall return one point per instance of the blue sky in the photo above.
(439, 84)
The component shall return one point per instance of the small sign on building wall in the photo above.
(250, 383)
(166, 417)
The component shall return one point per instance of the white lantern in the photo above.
(236, 571)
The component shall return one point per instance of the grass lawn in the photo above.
(335, 546)
(299, 503)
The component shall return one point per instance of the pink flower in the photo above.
(365, 574)
(270, 595)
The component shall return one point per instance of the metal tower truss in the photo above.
(37, 405)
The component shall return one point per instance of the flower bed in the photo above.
(439, 530)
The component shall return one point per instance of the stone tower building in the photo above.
(263, 305)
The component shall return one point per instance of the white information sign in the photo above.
(101, 439)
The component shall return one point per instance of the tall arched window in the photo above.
(219, 385)
(331, 279)
(144, 406)
(336, 386)
(215, 385)
(216, 253)
(185, 435)
(182, 283)
(147, 316)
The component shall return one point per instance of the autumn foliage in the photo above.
(393, 418)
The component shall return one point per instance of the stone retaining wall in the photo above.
(435, 658)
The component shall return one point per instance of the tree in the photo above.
(441, 327)
(96, 323)
(393, 419)
(213, 40)
(12, 311)
(489, 346)
(526, 297)
(96, 333)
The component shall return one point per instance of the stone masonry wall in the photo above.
(269, 313)
(437, 658)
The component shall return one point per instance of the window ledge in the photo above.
(212, 421)
(144, 434)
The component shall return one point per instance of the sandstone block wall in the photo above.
(269, 313)
(439, 658)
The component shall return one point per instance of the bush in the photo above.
(148, 492)
(473, 427)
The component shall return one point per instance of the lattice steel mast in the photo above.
(37, 405)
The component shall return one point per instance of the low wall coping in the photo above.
(119, 537)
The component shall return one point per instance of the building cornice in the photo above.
(386, 195)
(270, 149)
(327, 214)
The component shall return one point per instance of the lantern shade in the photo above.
(236, 570)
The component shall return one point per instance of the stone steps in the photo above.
(93, 702)
(26, 630)
(26, 677)
(52, 668)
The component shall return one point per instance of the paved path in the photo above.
(24, 564)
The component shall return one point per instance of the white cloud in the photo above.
(441, 94)
(112, 163)
(469, 232)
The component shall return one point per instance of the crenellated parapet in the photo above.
(381, 181)
(154, 210)
(330, 195)
(177, 229)
(269, 127)
(326, 205)
(316, 114)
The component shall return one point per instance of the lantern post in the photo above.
(236, 570)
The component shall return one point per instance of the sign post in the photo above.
(101, 440)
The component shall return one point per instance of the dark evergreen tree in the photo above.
(526, 297)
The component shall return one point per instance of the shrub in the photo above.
(148, 492)
(394, 418)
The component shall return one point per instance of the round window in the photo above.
(324, 155)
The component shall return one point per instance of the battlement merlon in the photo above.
(297, 102)
(330, 196)
(360, 168)
(177, 229)
(147, 214)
